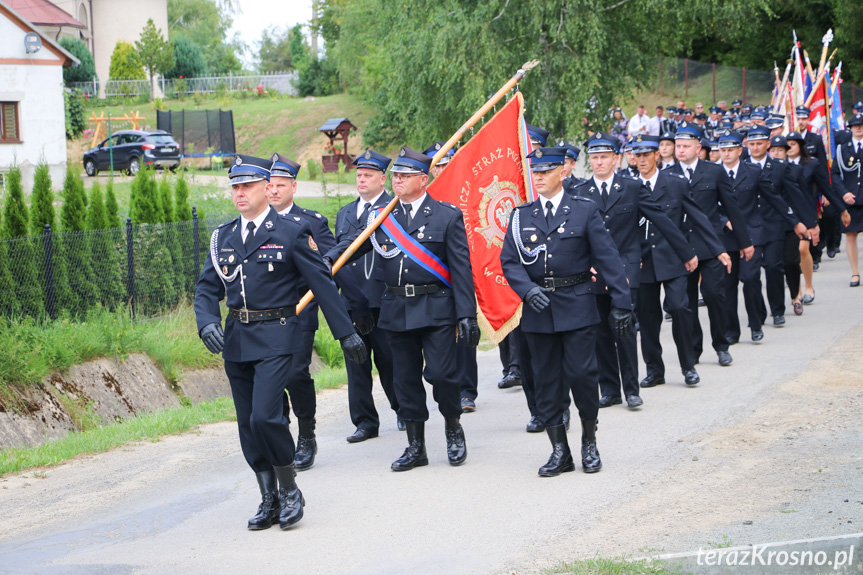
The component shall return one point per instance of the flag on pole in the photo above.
(801, 84)
(487, 178)
(818, 121)
(837, 117)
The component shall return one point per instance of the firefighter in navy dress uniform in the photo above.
(848, 183)
(280, 194)
(547, 254)
(257, 262)
(351, 220)
(428, 305)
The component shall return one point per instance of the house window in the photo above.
(9, 130)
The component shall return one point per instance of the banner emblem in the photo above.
(498, 201)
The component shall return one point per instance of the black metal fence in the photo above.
(147, 269)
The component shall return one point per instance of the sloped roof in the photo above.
(43, 13)
(67, 58)
(333, 124)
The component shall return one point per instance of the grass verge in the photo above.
(150, 427)
(615, 566)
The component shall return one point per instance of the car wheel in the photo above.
(134, 166)
(90, 168)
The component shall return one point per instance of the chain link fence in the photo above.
(147, 269)
(281, 82)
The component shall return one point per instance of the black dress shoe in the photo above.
(757, 335)
(307, 445)
(778, 320)
(855, 283)
(509, 380)
(609, 400)
(701, 302)
(534, 425)
(652, 381)
(400, 423)
(690, 376)
(724, 358)
(831, 253)
(816, 266)
(415, 454)
(667, 316)
(268, 510)
(467, 405)
(634, 401)
(361, 434)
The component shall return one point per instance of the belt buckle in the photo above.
(549, 283)
(244, 315)
(409, 290)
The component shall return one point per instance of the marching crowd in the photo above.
(703, 205)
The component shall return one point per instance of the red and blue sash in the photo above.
(415, 250)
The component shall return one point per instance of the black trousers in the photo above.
(508, 349)
(774, 276)
(301, 389)
(438, 346)
(791, 263)
(617, 359)
(360, 380)
(831, 230)
(565, 362)
(258, 389)
(467, 368)
(712, 274)
(749, 273)
(650, 320)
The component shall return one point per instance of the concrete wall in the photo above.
(35, 81)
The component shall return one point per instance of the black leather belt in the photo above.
(554, 283)
(249, 315)
(411, 290)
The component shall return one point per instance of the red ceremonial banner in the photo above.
(486, 179)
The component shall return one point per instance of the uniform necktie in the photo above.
(408, 208)
(250, 234)
(364, 215)
(647, 183)
(731, 174)
(548, 212)
(604, 193)
(689, 173)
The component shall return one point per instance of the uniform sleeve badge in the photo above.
(312, 244)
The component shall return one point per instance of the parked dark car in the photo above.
(131, 150)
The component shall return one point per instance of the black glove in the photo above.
(213, 338)
(354, 348)
(365, 324)
(468, 328)
(620, 321)
(536, 298)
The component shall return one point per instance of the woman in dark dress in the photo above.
(847, 176)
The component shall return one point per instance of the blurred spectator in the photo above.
(643, 124)
(620, 125)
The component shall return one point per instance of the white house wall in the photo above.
(35, 81)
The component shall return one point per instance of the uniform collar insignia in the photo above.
(427, 210)
(592, 189)
(234, 228)
(616, 186)
(296, 218)
(268, 224)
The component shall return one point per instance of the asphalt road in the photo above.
(764, 450)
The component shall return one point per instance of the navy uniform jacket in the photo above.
(439, 227)
(672, 195)
(575, 241)
(367, 270)
(765, 210)
(848, 177)
(352, 295)
(785, 182)
(814, 181)
(628, 201)
(286, 247)
(709, 186)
